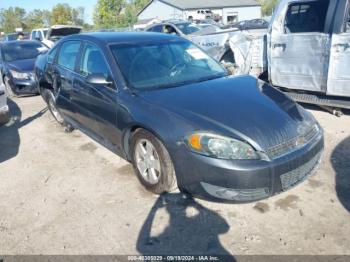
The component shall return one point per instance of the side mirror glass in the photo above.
(98, 79)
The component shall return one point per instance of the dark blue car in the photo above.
(17, 60)
(163, 104)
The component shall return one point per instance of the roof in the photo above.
(123, 37)
(202, 4)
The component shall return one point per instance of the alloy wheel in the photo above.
(147, 161)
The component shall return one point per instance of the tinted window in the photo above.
(157, 28)
(161, 65)
(22, 50)
(68, 54)
(93, 62)
(306, 17)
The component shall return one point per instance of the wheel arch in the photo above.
(129, 131)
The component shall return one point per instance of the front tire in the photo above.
(152, 163)
(8, 88)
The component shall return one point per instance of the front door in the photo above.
(101, 99)
(299, 51)
(339, 64)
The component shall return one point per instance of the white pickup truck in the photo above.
(306, 51)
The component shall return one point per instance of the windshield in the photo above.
(188, 28)
(162, 65)
(22, 50)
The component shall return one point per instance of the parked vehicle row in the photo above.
(163, 104)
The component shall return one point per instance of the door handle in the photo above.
(341, 47)
(279, 45)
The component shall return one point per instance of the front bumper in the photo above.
(245, 180)
(24, 86)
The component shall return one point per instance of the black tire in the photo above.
(51, 104)
(167, 178)
(8, 88)
(4, 118)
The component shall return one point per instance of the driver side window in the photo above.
(93, 62)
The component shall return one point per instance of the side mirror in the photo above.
(98, 79)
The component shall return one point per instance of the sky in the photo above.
(29, 5)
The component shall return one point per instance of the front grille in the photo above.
(298, 175)
(292, 144)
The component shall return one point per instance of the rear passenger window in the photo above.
(306, 17)
(157, 28)
(68, 54)
(93, 61)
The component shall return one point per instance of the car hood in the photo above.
(242, 106)
(26, 65)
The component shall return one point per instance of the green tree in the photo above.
(268, 6)
(106, 13)
(37, 18)
(64, 14)
(61, 14)
(12, 18)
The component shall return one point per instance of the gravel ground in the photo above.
(65, 194)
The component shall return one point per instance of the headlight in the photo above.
(19, 75)
(220, 147)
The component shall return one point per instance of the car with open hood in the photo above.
(163, 104)
(17, 60)
(49, 36)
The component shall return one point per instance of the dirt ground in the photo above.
(65, 194)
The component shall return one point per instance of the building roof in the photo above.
(195, 4)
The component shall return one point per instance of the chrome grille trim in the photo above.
(301, 173)
(293, 144)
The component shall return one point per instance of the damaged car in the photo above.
(305, 52)
(17, 60)
(163, 104)
(210, 37)
(49, 36)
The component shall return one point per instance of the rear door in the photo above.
(63, 76)
(299, 50)
(339, 63)
(100, 100)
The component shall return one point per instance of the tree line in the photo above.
(16, 17)
(107, 14)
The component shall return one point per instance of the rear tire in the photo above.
(51, 104)
(152, 163)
